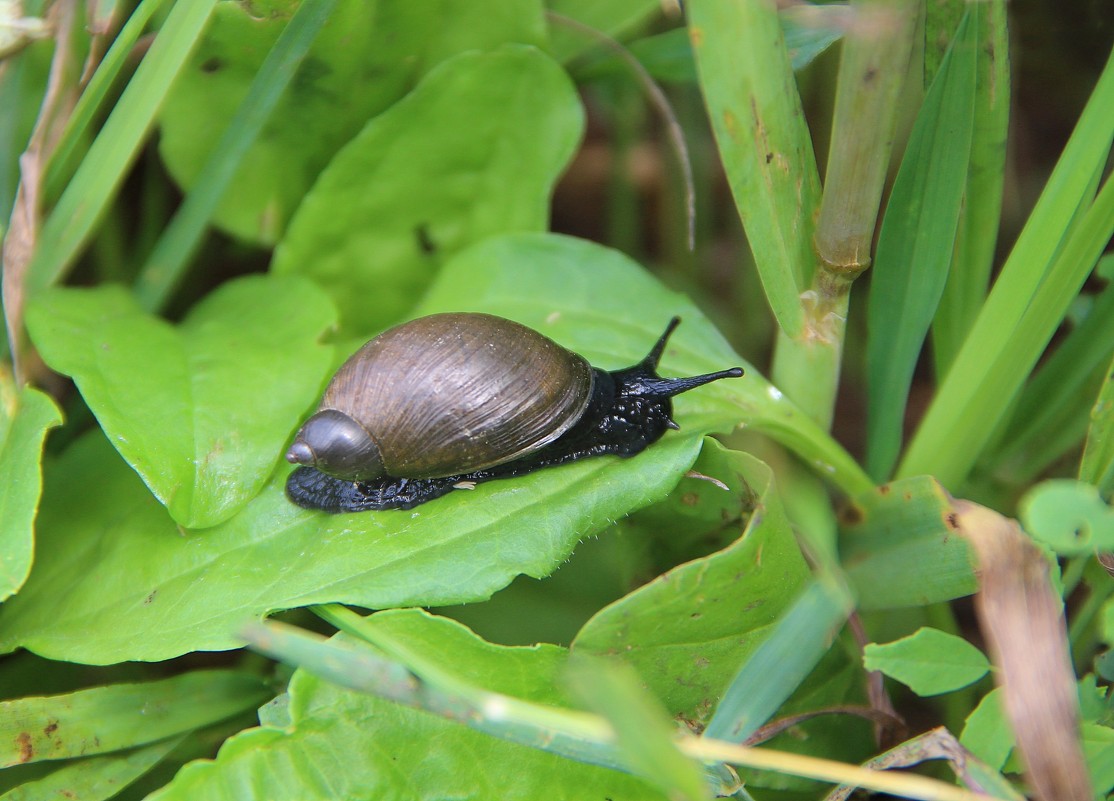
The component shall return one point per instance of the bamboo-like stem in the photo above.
(876, 51)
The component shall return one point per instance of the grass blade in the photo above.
(1051, 413)
(969, 277)
(989, 398)
(915, 246)
(88, 195)
(749, 89)
(800, 637)
(63, 161)
(164, 267)
(993, 360)
(1097, 466)
(643, 730)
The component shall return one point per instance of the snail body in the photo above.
(455, 399)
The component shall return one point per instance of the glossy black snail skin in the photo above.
(456, 399)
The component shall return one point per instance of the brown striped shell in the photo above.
(453, 393)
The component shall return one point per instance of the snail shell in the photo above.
(444, 395)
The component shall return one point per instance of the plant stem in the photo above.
(876, 51)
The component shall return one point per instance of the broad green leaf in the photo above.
(987, 733)
(1068, 516)
(604, 306)
(668, 56)
(688, 631)
(755, 112)
(1097, 465)
(1098, 745)
(118, 716)
(915, 246)
(202, 412)
(138, 588)
(612, 18)
(93, 778)
(366, 58)
(929, 661)
(900, 548)
(343, 744)
(473, 151)
(25, 417)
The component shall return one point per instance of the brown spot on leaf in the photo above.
(730, 123)
(26, 749)
(696, 35)
(884, 489)
(851, 515)
(951, 521)
(50, 728)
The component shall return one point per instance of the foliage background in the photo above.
(200, 230)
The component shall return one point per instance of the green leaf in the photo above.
(1097, 465)
(1098, 745)
(94, 778)
(118, 716)
(473, 151)
(987, 733)
(612, 18)
(668, 56)
(899, 547)
(810, 30)
(378, 749)
(366, 58)
(1070, 517)
(202, 412)
(25, 417)
(688, 631)
(915, 246)
(755, 110)
(929, 661)
(604, 306)
(138, 588)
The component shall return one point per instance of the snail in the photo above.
(450, 400)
